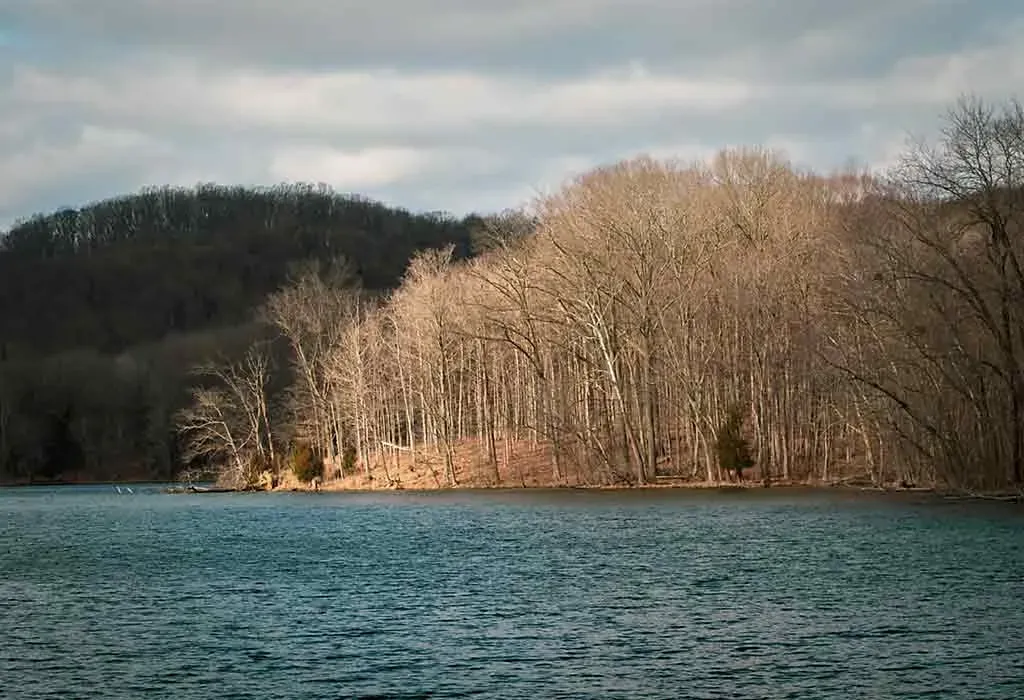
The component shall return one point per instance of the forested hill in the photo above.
(135, 268)
(105, 309)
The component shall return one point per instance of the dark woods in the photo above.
(651, 319)
(104, 311)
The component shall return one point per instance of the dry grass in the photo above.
(527, 465)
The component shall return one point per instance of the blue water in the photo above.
(507, 595)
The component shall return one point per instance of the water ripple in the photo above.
(505, 596)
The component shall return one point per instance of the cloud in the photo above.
(92, 151)
(319, 31)
(479, 32)
(381, 101)
(369, 167)
(467, 104)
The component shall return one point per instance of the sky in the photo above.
(469, 105)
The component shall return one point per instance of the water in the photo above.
(507, 594)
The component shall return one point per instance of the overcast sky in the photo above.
(468, 105)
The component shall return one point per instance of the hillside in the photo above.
(132, 269)
(103, 309)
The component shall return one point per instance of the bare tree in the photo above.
(937, 293)
(840, 324)
(426, 308)
(227, 424)
(313, 313)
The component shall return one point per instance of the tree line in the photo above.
(651, 316)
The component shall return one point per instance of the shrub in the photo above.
(305, 464)
(732, 448)
(254, 468)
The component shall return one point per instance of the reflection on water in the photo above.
(507, 594)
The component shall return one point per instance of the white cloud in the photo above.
(377, 101)
(94, 150)
(938, 79)
(371, 167)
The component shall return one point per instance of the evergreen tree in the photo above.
(732, 448)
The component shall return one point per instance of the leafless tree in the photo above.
(227, 423)
(937, 293)
(313, 312)
(856, 325)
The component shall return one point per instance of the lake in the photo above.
(507, 594)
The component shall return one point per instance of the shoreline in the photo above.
(76, 482)
(936, 493)
(337, 487)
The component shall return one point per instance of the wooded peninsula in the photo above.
(649, 322)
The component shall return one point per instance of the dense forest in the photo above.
(652, 320)
(104, 310)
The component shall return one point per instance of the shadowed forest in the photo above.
(649, 321)
(105, 310)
